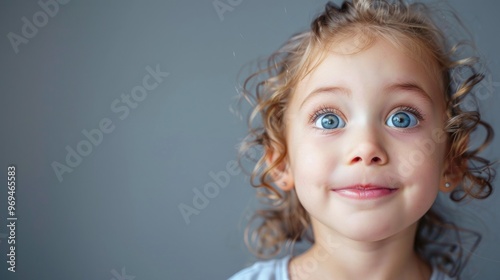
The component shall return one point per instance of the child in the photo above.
(363, 124)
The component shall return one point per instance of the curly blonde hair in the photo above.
(412, 28)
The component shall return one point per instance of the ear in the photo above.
(451, 178)
(282, 175)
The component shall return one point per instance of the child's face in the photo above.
(365, 142)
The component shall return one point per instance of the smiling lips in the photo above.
(364, 191)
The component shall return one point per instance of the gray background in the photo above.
(118, 209)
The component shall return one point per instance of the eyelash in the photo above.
(328, 110)
(321, 111)
(415, 111)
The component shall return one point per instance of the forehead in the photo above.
(360, 62)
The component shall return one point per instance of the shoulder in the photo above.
(276, 269)
(439, 275)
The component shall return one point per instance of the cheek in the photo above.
(423, 176)
(425, 182)
(312, 164)
(422, 157)
(421, 196)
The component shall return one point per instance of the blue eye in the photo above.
(402, 120)
(329, 121)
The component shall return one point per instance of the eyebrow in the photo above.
(329, 89)
(390, 88)
(410, 87)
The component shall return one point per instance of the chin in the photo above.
(372, 231)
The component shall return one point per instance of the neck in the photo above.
(336, 258)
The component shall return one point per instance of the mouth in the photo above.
(362, 192)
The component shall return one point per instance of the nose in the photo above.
(368, 149)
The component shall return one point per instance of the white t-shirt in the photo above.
(278, 270)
